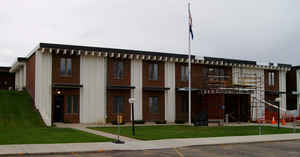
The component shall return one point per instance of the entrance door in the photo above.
(237, 107)
(58, 108)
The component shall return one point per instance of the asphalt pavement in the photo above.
(265, 149)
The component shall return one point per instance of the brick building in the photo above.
(82, 84)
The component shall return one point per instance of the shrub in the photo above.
(139, 122)
(179, 121)
(114, 122)
(160, 122)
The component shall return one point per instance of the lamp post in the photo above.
(131, 101)
(278, 111)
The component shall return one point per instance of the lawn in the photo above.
(180, 131)
(21, 124)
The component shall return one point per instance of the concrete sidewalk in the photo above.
(139, 145)
(83, 127)
(105, 134)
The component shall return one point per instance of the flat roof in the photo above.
(4, 69)
(110, 50)
(149, 54)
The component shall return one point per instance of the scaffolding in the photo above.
(243, 81)
(252, 82)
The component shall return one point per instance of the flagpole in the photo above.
(190, 92)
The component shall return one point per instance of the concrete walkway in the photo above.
(138, 145)
(105, 134)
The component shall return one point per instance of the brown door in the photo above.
(58, 108)
(71, 109)
(182, 106)
(153, 106)
(66, 106)
(117, 103)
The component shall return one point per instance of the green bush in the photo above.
(114, 122)
(180, 121)
(160, 122)
(139, 122)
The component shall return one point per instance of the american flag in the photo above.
(190, 22)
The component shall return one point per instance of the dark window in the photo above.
(118, 70)
(153, 104)
(65, 66)
(271, 80)
(221, 75)
(184, 70)
(153, 71)
(184, 103)
(118, 104)
(216, 74)
(72, 104)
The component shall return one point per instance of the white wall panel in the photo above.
(298, 87)
(239, 74)
(21, 78)
(170, 95)
(137, 82)
(282, 88)
(24, 75)
(93, 92)
(43, 85)
(17, 78)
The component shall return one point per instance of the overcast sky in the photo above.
(262, 30)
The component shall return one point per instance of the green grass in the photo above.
(21, 124)
(180, 131)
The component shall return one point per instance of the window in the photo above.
(221, 74)
(65, 66)
(118, 70)
(118, 104)
(271, 79)
(184, 104)
(153, 71)
(153, 104)
(184, 70)
(72, 104)
(215, 74)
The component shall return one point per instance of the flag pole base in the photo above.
(118, 142)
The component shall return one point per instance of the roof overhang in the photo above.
(120, 87)
(186, 89)
(158, 89)
(66, 86)
(16, 66)
(274, 92)
(296, 92)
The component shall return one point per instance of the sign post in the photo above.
(118, 141)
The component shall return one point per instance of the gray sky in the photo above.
(262, 30)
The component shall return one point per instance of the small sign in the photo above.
(223, 107)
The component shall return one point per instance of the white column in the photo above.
(261, 93)
(24, 75)
(93, 92)
(298, 88)
(137, 82)
(17, 80)
(43, 85)
(170, 95)
(21, 77)
(282, 88)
